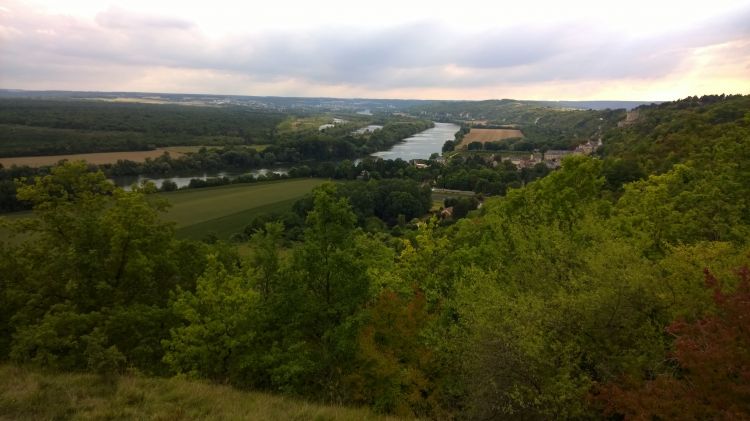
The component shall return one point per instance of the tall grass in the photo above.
(29, 394)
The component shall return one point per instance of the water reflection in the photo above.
(422, 144)
(126, 182)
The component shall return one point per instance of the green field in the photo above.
(228, 209)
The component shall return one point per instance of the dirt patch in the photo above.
(92, 158)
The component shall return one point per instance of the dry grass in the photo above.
(33, 395)
(489, 135)
(97, 158)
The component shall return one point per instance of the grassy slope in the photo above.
(30, 394)
(227, 209)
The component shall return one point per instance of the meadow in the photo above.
(226, 210)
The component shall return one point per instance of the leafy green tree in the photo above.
(265, 259)
(216, 326)
(91, 254)
(685, 205)
(317, 299)
(168, 185)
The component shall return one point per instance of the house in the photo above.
(553, 158)
(587, 148)
(364, 175)
(556, 155)
(447, 213)
(630, 118)
(526, 161)
(419, 163)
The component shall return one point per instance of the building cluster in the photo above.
(553, 157)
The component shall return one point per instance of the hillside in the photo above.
(33, 394)
(699, 129)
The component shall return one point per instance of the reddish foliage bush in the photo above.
(711, 356)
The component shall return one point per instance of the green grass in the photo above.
(227, 209)
(27, 394)
(227, 225)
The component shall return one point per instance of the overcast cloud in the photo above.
(573, 57)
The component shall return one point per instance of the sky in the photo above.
(530, 49)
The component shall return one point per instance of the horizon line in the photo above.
(344, 98)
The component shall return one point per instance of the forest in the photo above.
(615, 287)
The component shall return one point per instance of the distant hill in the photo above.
(599, 105)
(284, 103)
(276, 103)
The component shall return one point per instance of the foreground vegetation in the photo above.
(611, 287)
(33, 394)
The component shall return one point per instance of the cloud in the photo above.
(122, 48)
(118, 18)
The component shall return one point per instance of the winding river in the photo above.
(419, 146)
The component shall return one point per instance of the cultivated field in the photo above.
(228, 209)
(489, 135)
(96, 158)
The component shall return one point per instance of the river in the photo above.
(127, 181)
(422, 144)
(419, 146)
